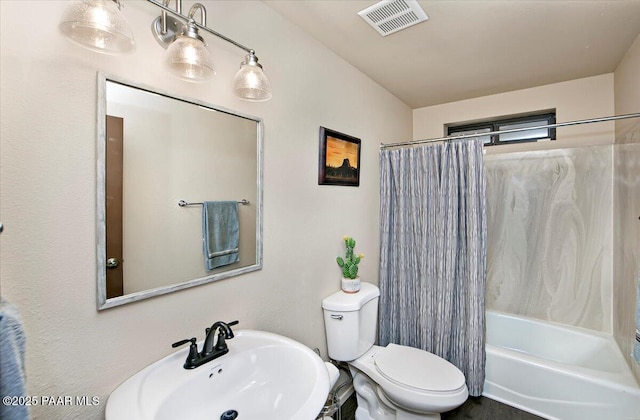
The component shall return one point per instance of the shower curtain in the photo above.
(433, 253)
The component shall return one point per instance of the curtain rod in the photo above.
(514, 130)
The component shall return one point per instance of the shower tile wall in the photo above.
(550, 235)
(626, 243)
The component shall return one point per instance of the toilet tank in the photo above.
(350, 320)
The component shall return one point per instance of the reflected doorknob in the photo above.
(113, 262)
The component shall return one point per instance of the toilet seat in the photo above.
(402, 373)
(414, 368)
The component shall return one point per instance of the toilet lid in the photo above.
(417, 368)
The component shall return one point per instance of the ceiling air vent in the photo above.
(388, 17)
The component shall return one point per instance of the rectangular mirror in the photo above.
(154, 150)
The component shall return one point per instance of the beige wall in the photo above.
(580, 99)
(47, 202)
(626, 202)
(627, 94)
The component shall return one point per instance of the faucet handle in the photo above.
(229, 324)
(221, 345)
(225, 331)
(193, 355)
(182, 342)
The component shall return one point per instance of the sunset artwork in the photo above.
(339, 160)
(340, 152)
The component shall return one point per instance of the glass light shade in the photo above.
(250, 83)
(189, 59)
(98, 25)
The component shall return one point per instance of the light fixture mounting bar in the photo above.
(204, 28)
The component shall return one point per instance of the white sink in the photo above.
(264, 376)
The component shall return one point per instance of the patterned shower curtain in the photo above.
(433, 253)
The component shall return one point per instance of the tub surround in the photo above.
(626, 245)
(626, 237)
(550, 235)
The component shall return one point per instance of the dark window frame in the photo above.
(494, 125)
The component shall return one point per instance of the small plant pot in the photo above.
(351, 285)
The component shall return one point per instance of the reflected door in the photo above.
(113, 194)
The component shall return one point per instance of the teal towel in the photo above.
(220, 233)
(12, 375)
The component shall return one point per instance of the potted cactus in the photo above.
(349, 266)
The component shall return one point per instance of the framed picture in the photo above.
(339, 160)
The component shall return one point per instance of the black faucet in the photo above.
(209, 350)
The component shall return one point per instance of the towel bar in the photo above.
(183, 203)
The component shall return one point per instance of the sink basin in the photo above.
(264, 376)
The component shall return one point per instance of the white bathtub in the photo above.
(556, 371)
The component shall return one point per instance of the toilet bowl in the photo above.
(410, 379)
(392, 382)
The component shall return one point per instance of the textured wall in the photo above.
(627, 94)
(47, 192)
(550, 235)
(579, 99)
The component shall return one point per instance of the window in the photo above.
(509, 123)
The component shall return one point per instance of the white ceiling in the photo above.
(474, 48)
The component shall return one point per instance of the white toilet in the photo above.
(392, 382)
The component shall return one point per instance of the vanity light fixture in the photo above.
(187, 56)
(98, 25)
(250, 83)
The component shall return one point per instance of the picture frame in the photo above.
(339, 159)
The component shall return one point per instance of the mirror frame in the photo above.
(102, 301)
